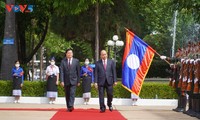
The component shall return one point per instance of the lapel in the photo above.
(101, 62)
(72, 62)
(108, 63)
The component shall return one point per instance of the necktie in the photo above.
(69, 63)
(104, 64)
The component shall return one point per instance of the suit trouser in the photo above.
(178, 91)
(70, 91)
(109, 91)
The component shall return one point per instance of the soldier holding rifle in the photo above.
(176, 70)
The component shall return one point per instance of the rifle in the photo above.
(190, 78)
(185, 76)
(181, 74)
(172, 81)
(196, 76)
(171, 71)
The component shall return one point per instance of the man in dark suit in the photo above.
(70, 77)
(105, 78)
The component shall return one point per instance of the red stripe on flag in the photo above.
(129, 40)
(142, 71)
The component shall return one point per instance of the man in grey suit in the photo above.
(70, 77)
(105, 78)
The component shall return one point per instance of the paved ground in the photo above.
(129, 112)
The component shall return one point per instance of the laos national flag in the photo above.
(136, 62)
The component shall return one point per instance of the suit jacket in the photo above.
(101, 75)
(70, 75)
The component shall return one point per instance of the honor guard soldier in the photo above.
(196, 90)
(190, 86)
(174, 80)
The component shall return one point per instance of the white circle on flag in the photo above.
(133, 61)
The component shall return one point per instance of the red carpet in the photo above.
(87, 114)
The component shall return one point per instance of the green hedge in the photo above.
(38, 89)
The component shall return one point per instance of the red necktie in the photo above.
(104, 64)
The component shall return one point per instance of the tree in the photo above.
(192, 6)
(113, 17)
(187, 29)
(71, 7)
(2, 23)
(9, 51)
(56, 45)
(158, 18)
(32, 28)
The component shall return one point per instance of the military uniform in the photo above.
(185, 78)
(176, 69)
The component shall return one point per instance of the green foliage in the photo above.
(187, 29)
(38, 89)
(157, 15)
(72, 24)
(159, 42)
(2, 5)
(61, 92)
(94, 92)
(56, 45)
(64, 7)
(162, 90)
(82, 50)
(192, 6)
(158, 69)
(120, 92)
(6, 88)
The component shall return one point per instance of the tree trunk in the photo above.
(41, 62)
(97, 32)
(9, 50)
(37, 47)
(21, 43)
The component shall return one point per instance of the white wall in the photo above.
(93, 101)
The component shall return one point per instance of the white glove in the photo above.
(163, 57)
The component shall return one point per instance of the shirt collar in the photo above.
(104, 60)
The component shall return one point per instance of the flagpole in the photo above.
(164, 59)
(154, 50)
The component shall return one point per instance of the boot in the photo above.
(179, 104)
(189, 101)
(183, 104)
(192, 107)
(196, 108)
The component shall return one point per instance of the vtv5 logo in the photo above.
(19, 8)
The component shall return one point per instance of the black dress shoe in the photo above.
(175, 109)
(198, 115)
(70, 109)
(111, 108)
(102, 110)
(180, 110)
